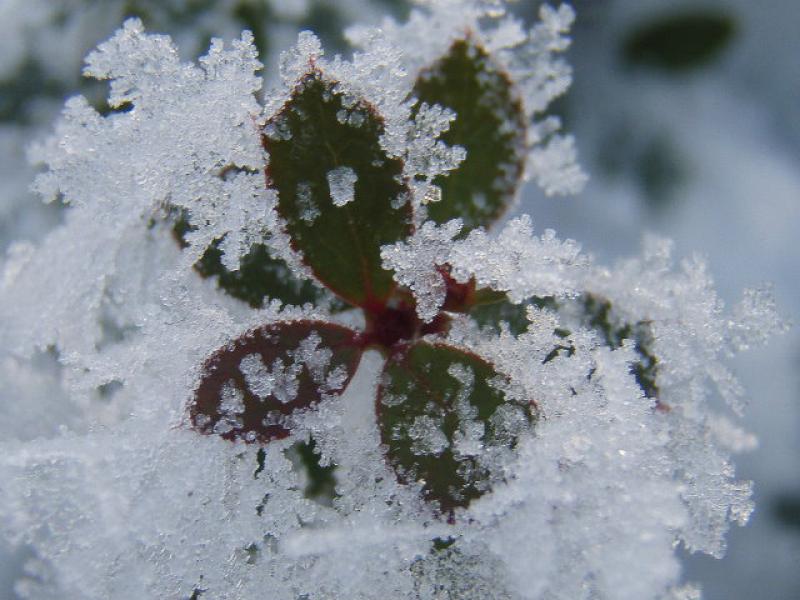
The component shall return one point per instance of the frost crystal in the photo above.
(415, 263)
(531, 58)
(342, 182)
(519, 263)
(279, 380)
(580, 475)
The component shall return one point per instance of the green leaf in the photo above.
(320, 480)
(679, 42)
(502, 311)
(786, 509)
(490, 124)
(442, 413)
(249, 386)
(260, 277)
(660, 171)
(341, 195)
(599, 315)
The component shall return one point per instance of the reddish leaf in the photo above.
(250, 386)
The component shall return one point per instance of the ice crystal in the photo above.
(531, 59)
(342, 182)
(519, 263)
(416, 263)
(458, 457)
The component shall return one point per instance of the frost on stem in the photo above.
(441, 473)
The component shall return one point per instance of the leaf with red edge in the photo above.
(445, 417)
(342, 197)
(490, 124)
(249, 387)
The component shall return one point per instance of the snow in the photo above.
(532, 58)
(124, 500)
(342, 184)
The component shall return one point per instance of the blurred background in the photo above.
(687, 119)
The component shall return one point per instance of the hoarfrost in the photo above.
(230, 408)
(427, 436)
(590, 503)
(342, 184)
(530, 58)
(378, 76)
(519, 263)
(416, 263)
(278, 380)
(315, 358)
(309, 211)
(232, 400)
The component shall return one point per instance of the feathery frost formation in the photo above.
(432, 411)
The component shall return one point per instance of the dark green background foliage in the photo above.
(680, 41)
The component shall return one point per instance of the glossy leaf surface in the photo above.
(342, 197)
(490, 125)
(249, 387)
(444, 414)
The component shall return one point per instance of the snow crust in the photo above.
(115, 496)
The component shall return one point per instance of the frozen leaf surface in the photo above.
(490, 125)
(509, 75)
(261, 275)
(259, 278)
(341, 196)
(249, 388)
(447, 419)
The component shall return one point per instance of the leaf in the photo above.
(260, 277)
(599, 315)
(660, 172)
(464, 297)
(443, 414)
(679, 42)
(786, 509)
(341, 195)
(493, 314)
(320, 480)
(490, 124)
(249, 387)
